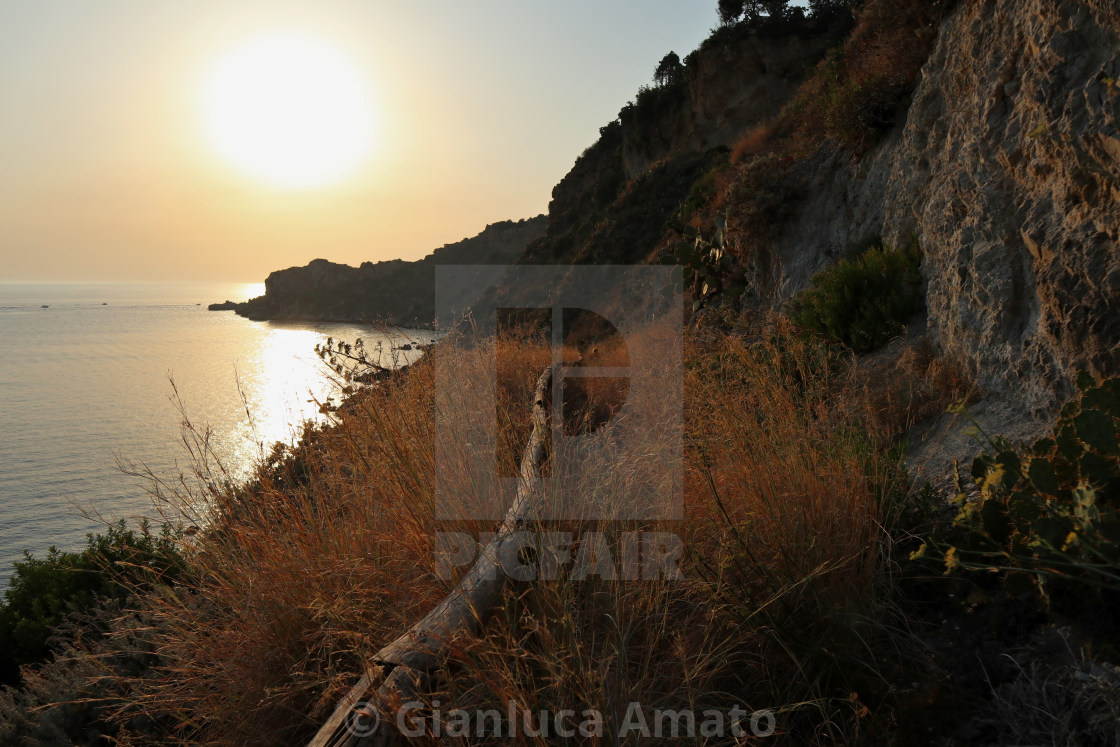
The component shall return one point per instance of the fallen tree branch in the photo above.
(404, 666)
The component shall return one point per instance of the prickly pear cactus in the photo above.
(1050, 512)
(709, 269)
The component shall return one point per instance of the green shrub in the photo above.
(865, 301)
(43, 592)
(1048, 515)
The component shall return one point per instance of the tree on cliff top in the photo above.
(775, 8)
(731, 11)
(669, 70)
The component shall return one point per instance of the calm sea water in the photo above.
(86, 381)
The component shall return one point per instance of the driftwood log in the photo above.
(404, 666)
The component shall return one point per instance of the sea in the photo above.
(97, 377)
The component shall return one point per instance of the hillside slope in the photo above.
(825, 582)
(987, 132)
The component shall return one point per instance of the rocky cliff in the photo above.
(1006, 168)
(394, 292)
(730, 87)
(1002, 161)
(626, 190)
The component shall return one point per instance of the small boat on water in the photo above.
(45, 306)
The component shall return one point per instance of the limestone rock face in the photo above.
(842, 209)
(1008, 170)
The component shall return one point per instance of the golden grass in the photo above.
(328, 555)
(300, 576)
(753, 143)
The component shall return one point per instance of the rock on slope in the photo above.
(1006, 169)
(1004, 166)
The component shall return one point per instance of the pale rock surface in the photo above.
(1007, 170)
(1020, 230)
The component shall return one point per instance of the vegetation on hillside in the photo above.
(304, 572)
(865, 300)
(43, 593)
(846, 102)
(1047, 517)
(814, 580)
(802, 590)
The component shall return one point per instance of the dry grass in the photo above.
(790, 463)
(300, 576)
(753, 143)
(908, 383)
(329, 554)
(854, 93)
(1055, 696)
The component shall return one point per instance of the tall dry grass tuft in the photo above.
(789, 492)
(297, 577)
(792, 491)
(593, 639)
(753, 143)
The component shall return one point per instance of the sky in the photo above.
(108, 171)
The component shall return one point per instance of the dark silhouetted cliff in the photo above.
(394, 292)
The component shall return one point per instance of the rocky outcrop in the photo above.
(394, 292)
(729, 88)
(616, 202)
(1006, 168)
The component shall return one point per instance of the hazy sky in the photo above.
(106, 172)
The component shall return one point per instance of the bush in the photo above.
(1048, 515)
(43, 592)
(865, 301)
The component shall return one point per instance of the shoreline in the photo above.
(237, 308)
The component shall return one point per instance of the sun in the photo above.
(289, 110)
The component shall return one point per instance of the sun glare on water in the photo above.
(289, 110)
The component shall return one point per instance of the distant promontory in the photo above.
(393, 292)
